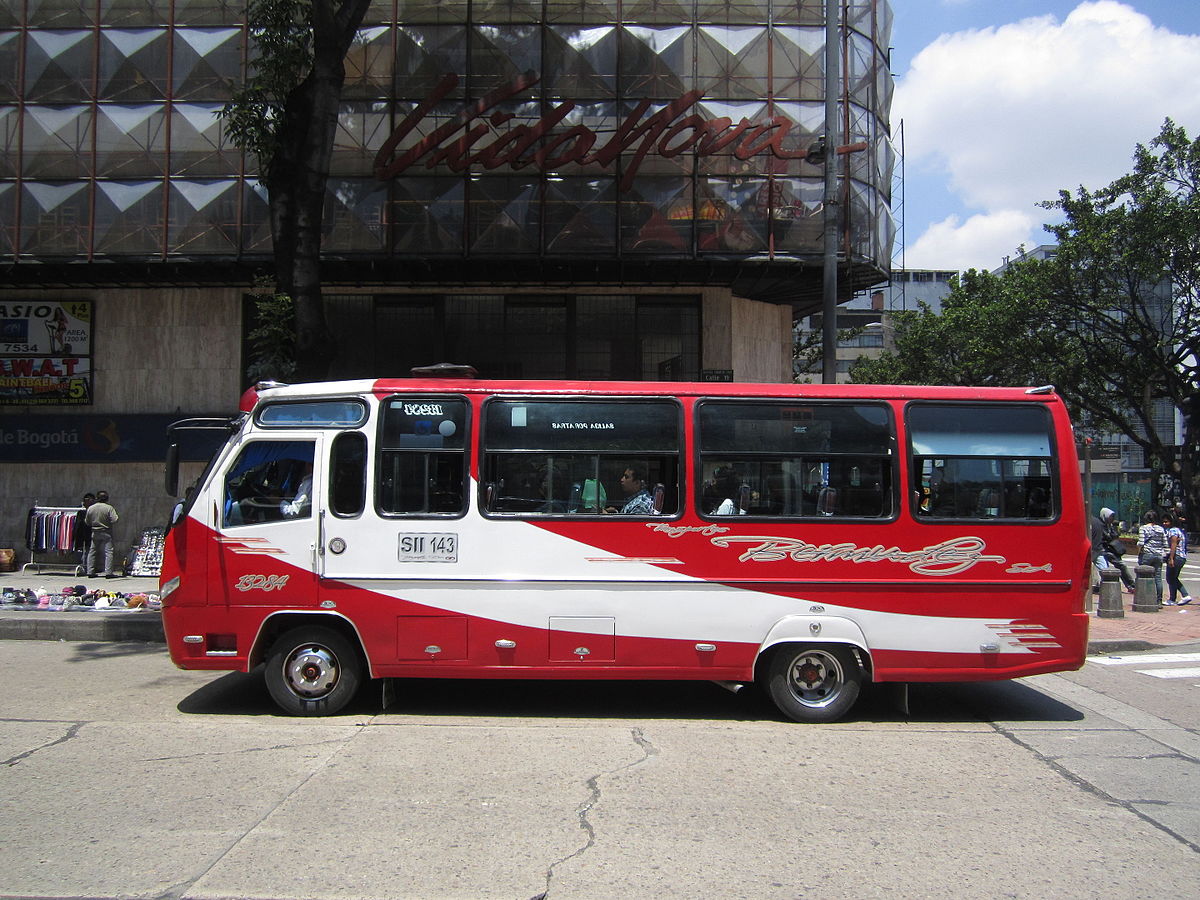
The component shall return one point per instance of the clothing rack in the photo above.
(52, 529)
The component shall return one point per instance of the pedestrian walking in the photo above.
(1177, 545)
(100, 517)
(1152, 547)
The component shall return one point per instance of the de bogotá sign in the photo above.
(487, 141)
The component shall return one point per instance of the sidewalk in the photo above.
(1145, 631)
(1136, 631)
(80, 623)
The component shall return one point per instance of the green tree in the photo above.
(286, 114)
(983, 336)
(273, 337)
(1113, 320)
(1125, 288)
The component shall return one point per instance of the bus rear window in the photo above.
(982, 462)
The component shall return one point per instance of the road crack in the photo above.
(242, 752)
(593, 798)
(72, 731)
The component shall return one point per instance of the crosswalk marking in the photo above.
(1170, 673)
(1145, 659)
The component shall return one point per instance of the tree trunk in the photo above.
(297, 176)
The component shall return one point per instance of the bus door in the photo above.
(393, 521)
(267, 528)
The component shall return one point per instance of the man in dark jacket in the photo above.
(1106, 546)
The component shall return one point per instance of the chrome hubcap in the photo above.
(816, 678)
(311, 671)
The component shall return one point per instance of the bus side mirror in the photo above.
(172, 470)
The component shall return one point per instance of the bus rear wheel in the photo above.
(313, 671)
(814, 683)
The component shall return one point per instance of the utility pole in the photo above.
(830, 206)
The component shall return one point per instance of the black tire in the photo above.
(814, 682)
(313, 671)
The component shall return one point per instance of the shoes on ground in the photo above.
(1185, 600)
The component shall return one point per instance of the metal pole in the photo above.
(1087, 476)
(830, 206)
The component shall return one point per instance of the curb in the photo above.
(1101, 647)
(92, 625)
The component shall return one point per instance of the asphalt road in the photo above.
(125, 777)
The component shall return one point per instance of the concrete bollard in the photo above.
(1110, 595)
(1145, 591)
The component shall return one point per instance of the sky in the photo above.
(1006, 102)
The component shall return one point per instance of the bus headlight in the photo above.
(169, 588)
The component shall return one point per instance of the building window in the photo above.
(626, 337)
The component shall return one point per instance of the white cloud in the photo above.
(979, 242)
(1011, 114)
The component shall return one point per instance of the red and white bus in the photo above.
(806, 537)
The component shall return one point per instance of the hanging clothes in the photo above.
(51, 528)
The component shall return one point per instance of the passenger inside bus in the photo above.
(639, 501)
(726, 494)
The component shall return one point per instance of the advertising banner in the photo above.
(46, 329)
(139, 437)
(45, 380)
(45, 353)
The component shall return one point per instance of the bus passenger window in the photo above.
(568, 457)
(348, 474)
(422, 458)
(790, 460)
(269, 482)
(977, 462)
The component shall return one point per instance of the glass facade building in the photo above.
(616, 189)
(612, 141)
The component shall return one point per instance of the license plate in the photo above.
(429, 548)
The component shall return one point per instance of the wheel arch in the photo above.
(280, 622)
(810, 630)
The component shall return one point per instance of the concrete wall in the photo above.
(154, 351)
(762, 341)
(753, 339)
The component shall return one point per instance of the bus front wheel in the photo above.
(815, 683)
(313, 671)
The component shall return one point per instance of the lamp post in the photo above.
(830, 204)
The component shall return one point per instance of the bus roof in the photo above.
(383, 387)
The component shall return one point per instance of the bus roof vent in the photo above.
(444, 370)
(1044, 389)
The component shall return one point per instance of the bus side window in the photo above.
(269, 481)
(348, 474)
(789, 459)
(565, 457)
(422, 464)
